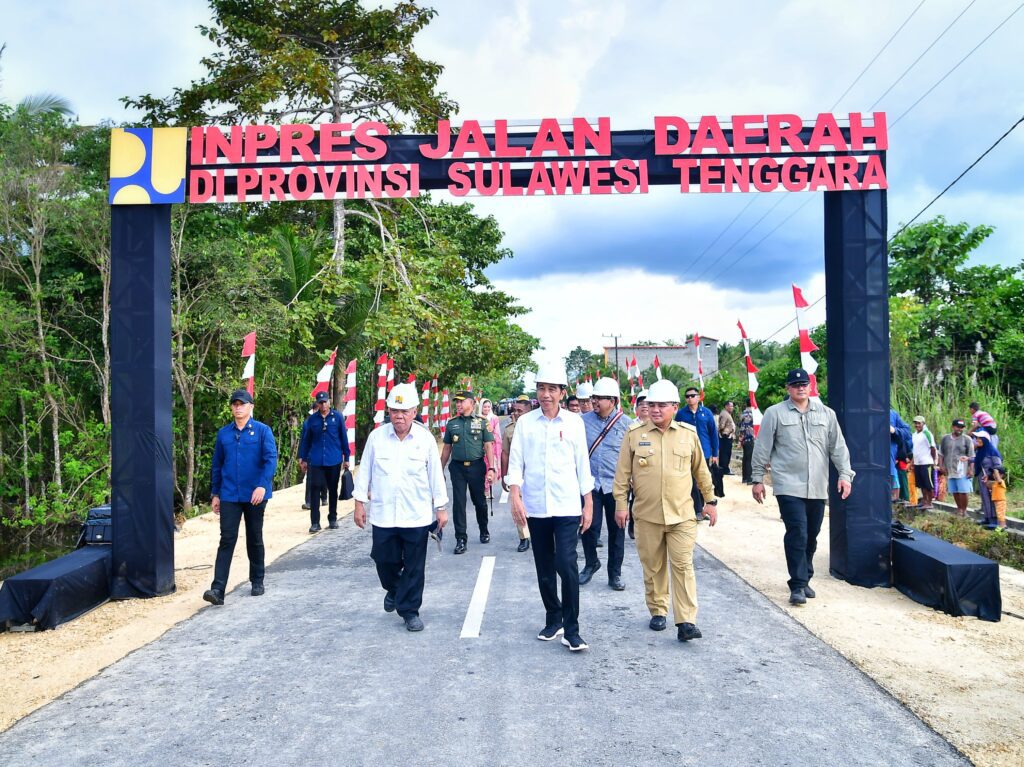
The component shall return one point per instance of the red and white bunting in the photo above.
(807, 362)
(657, 367)
(700, 365)
(249, 354)
(751, 379)
(391, 374)
(349, 413)
(425, 409)
(411, 379)
(436, 393)
(382, 377)
(444, 412)
(323, 377)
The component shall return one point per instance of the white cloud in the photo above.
(570, 310)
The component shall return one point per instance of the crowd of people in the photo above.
(933, 470)
(573, 466)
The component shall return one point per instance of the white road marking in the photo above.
(477, 604)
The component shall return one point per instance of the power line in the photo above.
(739, 239)
(880, 52)
(921, 56)
(1009, 130)
(727, 227)
(957, 65)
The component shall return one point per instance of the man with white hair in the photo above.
(606, 426)
(662, 459)
(548, 475)
(400, 478)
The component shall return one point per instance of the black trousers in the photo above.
(231, 514)
(725, 454)
(472, 476)
(318, 477)
(604, 506)
(554, 556)
(748, 464)
(802, 517)
(400, 554)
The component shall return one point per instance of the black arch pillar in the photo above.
(857, 317)
(141, 477)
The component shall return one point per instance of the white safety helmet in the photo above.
(403, 397)
(641, 395)
(605, 387)
(552, 374)
(663, 391)
(584, 391)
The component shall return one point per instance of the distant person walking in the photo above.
(797, 439)
(703, 420)
(726, 435)
(519, 407)
(746, 432)
(323, 455)
(241, 483)
(956, 463)
(401, 482)
(924, 461)
(467, 442)
(494, 426)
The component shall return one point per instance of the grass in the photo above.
(1005, 548)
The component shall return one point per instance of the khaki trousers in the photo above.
(664, 549)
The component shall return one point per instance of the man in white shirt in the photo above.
(549, 480)
(924, 461)
(400, 478)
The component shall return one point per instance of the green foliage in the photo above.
(1002, 547)
(309, 61)
(580, 360)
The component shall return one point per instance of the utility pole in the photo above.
(616, 336)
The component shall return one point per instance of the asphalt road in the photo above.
(315, 672)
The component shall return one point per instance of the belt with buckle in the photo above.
(467, 463)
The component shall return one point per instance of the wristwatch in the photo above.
(712, 502)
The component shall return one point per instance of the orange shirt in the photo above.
(997, 490)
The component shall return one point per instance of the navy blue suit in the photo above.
(324, 446)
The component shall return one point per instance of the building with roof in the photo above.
(683, 356)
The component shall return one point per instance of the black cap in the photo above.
(459, 396)
(322, 396)
(959, 422)
(796, 376)
(241, 395)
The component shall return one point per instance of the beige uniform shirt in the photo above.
(661, 468)
(506, 437)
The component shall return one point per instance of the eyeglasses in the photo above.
(660, 405)
(691, 396)
(798, 385)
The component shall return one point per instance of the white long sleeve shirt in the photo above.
(549, 463)
(401, 479)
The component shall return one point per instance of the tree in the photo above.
(310, 61)
(577, 361)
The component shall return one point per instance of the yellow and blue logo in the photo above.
(147, 165)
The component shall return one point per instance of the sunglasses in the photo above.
(691, 396)
(799, 385)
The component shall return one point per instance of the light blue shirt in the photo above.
(606, 457)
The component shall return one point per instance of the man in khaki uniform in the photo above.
(660, 459)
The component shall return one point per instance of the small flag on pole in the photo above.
(323, 377)
(249, 352)
(349, 412)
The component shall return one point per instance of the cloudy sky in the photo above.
(660, 265)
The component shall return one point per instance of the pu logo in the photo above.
(398, 399)
(147, 165)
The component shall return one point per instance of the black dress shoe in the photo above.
(389, 602)
(333, 525)
(213, 596)
(314, 528)
(797, 597)
(616, 584)
(413, 623)
(658, 623)
(258, 590)
(629, 529)
(809, 592)
(524, 544)
(460, 547)
(688, 631)
(588, 572)
(305, 506)
(485, 537)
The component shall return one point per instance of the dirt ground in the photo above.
(962, 676)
